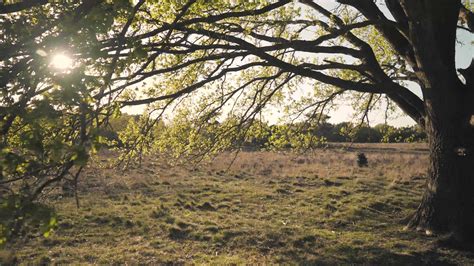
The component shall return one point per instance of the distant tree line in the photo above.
(284, 136)
(265, 136)
(348, 132)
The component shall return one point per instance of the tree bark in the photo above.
(448, 202)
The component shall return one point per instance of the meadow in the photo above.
(265, 208)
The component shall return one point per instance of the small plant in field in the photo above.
(362, 160)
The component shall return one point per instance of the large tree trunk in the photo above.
(448, 202)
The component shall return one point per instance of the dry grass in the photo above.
(396, 162)
(267, 208)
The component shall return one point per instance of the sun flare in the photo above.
(62, 61)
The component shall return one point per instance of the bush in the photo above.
(362, 160)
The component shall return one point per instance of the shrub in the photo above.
(362, 160)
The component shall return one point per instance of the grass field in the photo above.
(266, 208)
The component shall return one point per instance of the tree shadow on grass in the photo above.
(365, 256)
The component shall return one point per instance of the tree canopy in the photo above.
(206, 61)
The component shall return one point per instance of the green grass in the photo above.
(158, 214)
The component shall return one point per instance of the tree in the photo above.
(50, 116)
(243, 56)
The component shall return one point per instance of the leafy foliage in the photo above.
(16, 215)
(212, 67)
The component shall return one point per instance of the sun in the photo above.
(62, 61)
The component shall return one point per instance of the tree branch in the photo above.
(192, 87)
(344, 84)
(22, 5)
(392, 34)
(466, 17)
